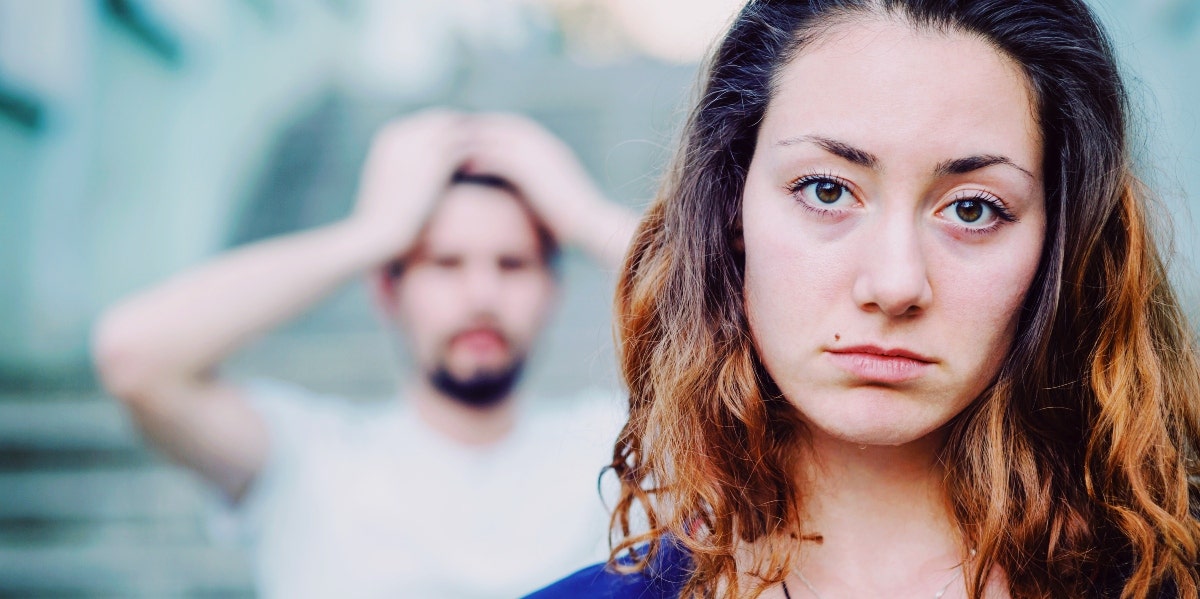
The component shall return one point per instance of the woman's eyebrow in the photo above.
(837, 148)
(959, 166)
(956, 166)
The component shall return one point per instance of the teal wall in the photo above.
(1159, 44)
(139, 160)
(145, 161)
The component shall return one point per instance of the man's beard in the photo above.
(481, 390)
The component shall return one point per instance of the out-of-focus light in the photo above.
(409, 47)
(678, 31)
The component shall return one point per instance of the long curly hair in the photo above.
(1075, 472)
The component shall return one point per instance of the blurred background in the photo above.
(138, 137)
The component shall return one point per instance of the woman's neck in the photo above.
(883, 521)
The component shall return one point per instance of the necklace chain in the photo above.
(813, 590)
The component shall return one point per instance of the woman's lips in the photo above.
(878, 365)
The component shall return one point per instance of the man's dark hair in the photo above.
(550, 250)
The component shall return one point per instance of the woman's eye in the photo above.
(969, 211)
(821, 192)
(976, 213)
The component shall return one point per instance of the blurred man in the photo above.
(453, 492)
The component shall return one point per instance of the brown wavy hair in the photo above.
(1075, 472)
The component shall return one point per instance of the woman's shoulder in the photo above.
(663, 578)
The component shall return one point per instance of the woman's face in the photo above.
(893, 220)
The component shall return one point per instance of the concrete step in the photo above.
(100, 494)
(105, 569)
(89, 422)
(31, 532)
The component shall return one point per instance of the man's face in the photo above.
(476, 290)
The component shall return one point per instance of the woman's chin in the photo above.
(871, 430)
(884, 417)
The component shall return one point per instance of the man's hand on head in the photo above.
(409, 166)
(557, 187)
(541, 166)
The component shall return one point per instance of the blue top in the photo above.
(668, 572)
(662, 579)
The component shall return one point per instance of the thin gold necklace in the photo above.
(813, 590)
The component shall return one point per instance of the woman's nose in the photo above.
(893, 277)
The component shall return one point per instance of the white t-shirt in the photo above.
(365, 501)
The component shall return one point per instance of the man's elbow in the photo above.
(124, 363)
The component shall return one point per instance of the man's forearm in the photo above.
(182, 329)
